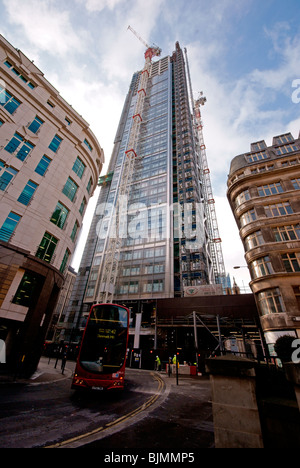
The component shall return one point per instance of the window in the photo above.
(35, 125)
(6, 175)
(89, 185)
(270, 302)
(280, 209)
(296, 184)
(9, 226)
(291, 262)
(286, 149)
(271, 189)
(287, 233)
(60, 215)
(297, 295)
(134, 271)
(242, 198)
(28, 193)
(79, 167)
(155, 286)
(123, 289)
(24, 151)
(260, 145)
(82, 206)
(17, 73)
(133, 287)
(284, 139)
(97, 261)
(1, 123)
(88, 145)
(254, 240)
(248, 217)
(29, 290)
(47, 248)
(261, 267)
(7, 101)
(55, 143)
(74, 232)
(90, 291)
(290, 162)
(262, 169)
(8, 64)
(70, 189)
(65, 261)
(43, 165)
(257, 156)
(150, 269)
(14, 144)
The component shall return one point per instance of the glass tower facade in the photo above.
(162, 227)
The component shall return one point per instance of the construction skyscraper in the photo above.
(154, 233)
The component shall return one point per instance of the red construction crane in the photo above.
(152, 51)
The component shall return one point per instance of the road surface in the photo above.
(152, 412)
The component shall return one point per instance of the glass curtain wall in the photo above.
(145, 262)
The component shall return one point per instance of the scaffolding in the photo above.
(214, 247)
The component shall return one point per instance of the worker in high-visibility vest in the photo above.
(174, 359)
(158, 363)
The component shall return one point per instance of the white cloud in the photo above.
(46, 26)
(287, 49)
(123, 52)
(99, 103)
(99, 5)
(253, 107)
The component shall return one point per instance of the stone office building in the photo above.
(50, 162)
(264, 194)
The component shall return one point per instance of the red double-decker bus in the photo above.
(102, 356)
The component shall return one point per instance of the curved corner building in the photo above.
(50, 162)
(263, 191)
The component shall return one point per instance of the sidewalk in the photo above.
(45, 374)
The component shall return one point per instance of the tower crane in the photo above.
(110, 263)
(152, 51)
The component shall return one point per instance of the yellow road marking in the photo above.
(124, 418)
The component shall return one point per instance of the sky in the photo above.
(244, 55)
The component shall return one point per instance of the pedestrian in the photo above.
(158, 363)
(63, 361)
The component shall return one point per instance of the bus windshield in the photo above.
(104, 345)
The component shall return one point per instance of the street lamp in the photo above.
(177, 362)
